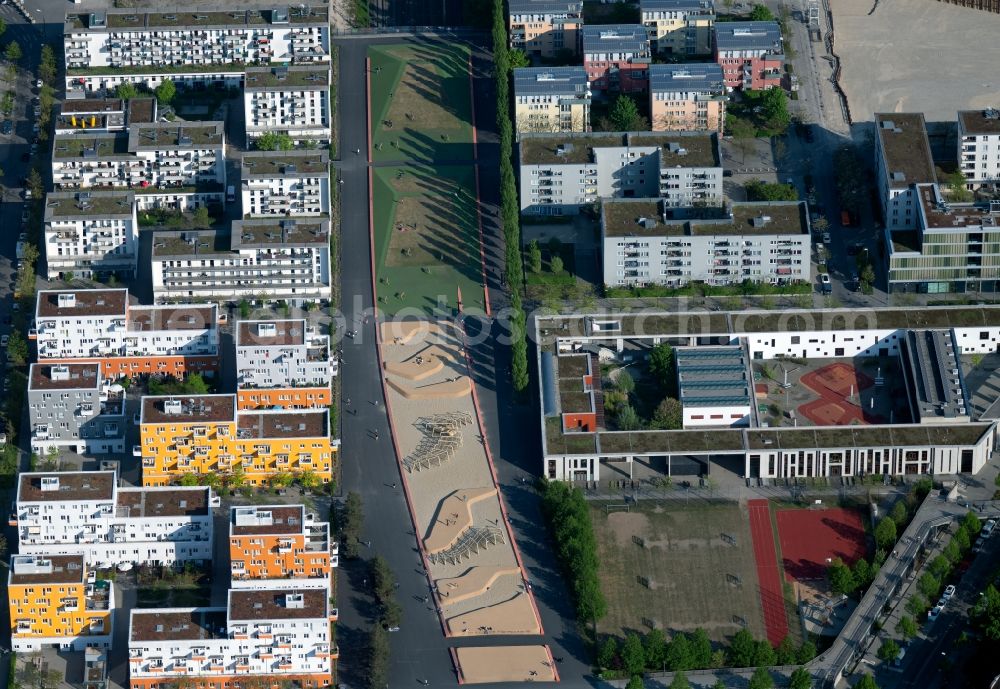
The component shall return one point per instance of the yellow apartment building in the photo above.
(545, 27)
(687, 97)
(279, 545)
(679, 27)
(53, 600)
(206, 434)
(551, 99)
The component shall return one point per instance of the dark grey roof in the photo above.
(545, 6)
(688, 77)
(676, 5)
(544, 81)
(934, 375)
(619, 38)
(748, 36)
(712, 376)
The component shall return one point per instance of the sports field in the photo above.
(678, 568)
(811, 537)
(421, 103)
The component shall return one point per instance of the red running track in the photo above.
(772, 602)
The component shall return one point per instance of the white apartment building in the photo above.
(184, 158)
(286, 183)
(90, 233)
(73, 406)
(273, 258)
(99, 325)
(645, 244)
(87, 513)
(979, 145)
(108, 40)
(274, 355)
(902, 161)
(274, 633)
(560, 173)
(93, 83)
(290, 100)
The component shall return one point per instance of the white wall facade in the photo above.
(85, 246)
(286, 195)
(300, 113)
(720, 417)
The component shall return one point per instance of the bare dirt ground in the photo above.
(916, 56)
(693, 558)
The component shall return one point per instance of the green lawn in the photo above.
(421, 103)
(426, 238)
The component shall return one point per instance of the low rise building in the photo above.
(282, 364)
(545, 28)
(562, 173)
(86, 513)
(750, 53)
(714, 386)
(279, 547)
(261, 258)
(99, 326)
(955, 247)
(551, 99)
(91, 115)
(286, 183)
(73, 407)
(90, 234)
(288, 100)
(208, 434)
(679, 27)
(687, 97)
(617, 57)
(262, 637)
(979, 146)
(902, 161)
(644, 243)
(54, 600)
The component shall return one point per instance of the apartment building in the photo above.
(617, 57)
(551, 99)
(679, 27)
(902, 161)
(94, 83)
(266, 638)
(207, 433)
(979, 145)
(561, 173)
(129, 38)
(750, 53)
(645, 243)
(263, 258)
(55, 600)
(73, 407)
(687, 97)
(954, 248)
(279, 547)
(184, 158)
(286, 183)
(86, 513)
(100, 326)
(546, 28)
(103, 114)
(90, 234)
(286, 364)
(291, 100)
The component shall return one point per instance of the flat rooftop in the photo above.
(141, 110)
(271, 333)
(190, 243)
(138, 503)
(615, 38)
(84, 303)
(133, 19)
(189, 409)
(186, 317)
(282, 424)
(66, 486)
(97, 146)
(907, 151)
(284, 163)
(643, 218)
(544, 81)
(292, 77)
(698, 78)
(66, 205)
(941, 215)
(194, 624)
(979, 121)
(46, 569)
(573, 398)
(64, 376)
(92, 106)
(266, 520)
(675, 5)
(676, 148)
(760, 36)
(931, 361)
(246, 605)
(712, 376)
(545, 6)
(268, 232)
(165, 135)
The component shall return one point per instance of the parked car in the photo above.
(989, 526)
(4, 339)
(7, 127)
(39, 83)
(826, 238)
(933, 613)
(825, 283)
(949, 591)
(978, 546)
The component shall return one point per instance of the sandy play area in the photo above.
(504, 664)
